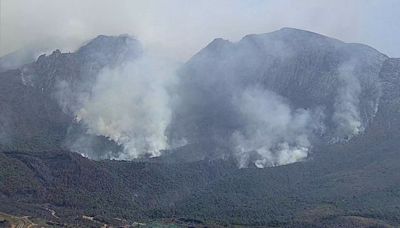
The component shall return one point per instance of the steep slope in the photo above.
(324, 89)
(39, 99)
(29, 119)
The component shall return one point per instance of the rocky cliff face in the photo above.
(64, 75)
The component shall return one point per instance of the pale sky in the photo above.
(179, 28)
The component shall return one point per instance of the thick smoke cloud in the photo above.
(131, 106)
(277, 133)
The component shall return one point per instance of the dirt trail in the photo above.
(52, 212)
(17, 222)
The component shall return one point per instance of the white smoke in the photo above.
(131, 105)
(278, 134)
(347, 114)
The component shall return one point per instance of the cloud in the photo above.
(179, 28)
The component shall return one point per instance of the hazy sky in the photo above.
(179, 28)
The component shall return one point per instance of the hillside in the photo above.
(39, 99)
(348, 178)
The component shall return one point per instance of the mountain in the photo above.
(337, 100)
(290, 73)
(39, 99)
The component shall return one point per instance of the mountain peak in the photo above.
(111, 48)
(293, 35)
(296, 30)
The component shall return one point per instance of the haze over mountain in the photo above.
(318, 115)
(269, 97)
(277, 93)
(178, 28)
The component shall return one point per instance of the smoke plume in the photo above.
(131, 106)
(347, 114)
(278, 134)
